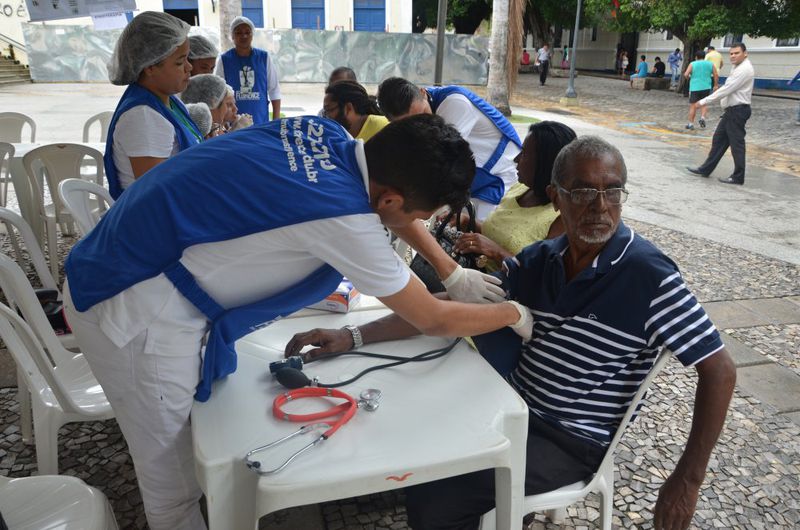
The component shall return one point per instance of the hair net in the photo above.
(238, 21)
(149, 38)
(205, 88)
(201, 117)
(201, 48)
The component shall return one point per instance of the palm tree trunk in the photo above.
(506, 47)
(228, 10)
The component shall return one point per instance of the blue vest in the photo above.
(486, 186)
(134, 96)
(286, 172)
(248, 77)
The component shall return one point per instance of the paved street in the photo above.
(738, 248)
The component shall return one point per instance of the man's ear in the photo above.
(389, 200)
(552, 193)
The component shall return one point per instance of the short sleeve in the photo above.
(219, 69)
(678, 322)
(273, 84)
(459, 112)
(142, 131)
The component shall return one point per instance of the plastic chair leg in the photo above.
(14, 242)
(606, 508)
(24, 400)
(45, 431)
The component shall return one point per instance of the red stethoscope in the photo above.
(343, 412)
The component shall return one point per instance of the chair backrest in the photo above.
(660, 362)
(6, 154)
(35, 253)
(104, 119)
(31, 358)
(16, 287)
(76, 195)
(11, 125)
(60, 162)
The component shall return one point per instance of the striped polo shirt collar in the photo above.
(610, 255)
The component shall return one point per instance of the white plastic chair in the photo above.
(6, 155)
(12, 124)
(76, 194)
(62, 385)
(60, 162)
(555, 502)
(14, 225)
(103, 119)
(54, 501)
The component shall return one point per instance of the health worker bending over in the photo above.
(236, 233)
(149, 124)
(490, 135)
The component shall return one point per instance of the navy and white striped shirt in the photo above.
(596, 337)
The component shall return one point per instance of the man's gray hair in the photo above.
(585, 148)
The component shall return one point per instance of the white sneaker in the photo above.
(689, 127)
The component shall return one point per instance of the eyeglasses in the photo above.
(613, 196)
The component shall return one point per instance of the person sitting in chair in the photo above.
(605, 301)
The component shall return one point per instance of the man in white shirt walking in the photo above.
(734, 96)
(543, 61)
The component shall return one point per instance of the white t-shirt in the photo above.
(273, 85)
(483, 137)
(141, 131)
(250, 268)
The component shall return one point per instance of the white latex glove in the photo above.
(242, 122)
(469, 285)
(524, 326)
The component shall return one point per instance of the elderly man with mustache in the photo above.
(605, 301)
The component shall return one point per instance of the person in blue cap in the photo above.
(252, 74)
(149, 124)
(236, 233)
(491, 136)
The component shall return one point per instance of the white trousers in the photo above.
(152, 397)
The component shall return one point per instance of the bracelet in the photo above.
(358, 341)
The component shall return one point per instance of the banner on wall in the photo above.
(60, 9)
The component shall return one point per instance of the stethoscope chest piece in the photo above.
(370, 399)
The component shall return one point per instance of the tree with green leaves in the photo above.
(464, 15)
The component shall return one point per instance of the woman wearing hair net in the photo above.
(150, 124)
(202, 54)
(251, 73)
(214, 92)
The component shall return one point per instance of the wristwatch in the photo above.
(358, 341)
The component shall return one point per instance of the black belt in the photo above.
(739, 105)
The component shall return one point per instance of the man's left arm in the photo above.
(677, 498)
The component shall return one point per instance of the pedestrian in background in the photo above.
(543, 61)
(675, 60)
(795, 80)
(734, 96)
(623, 63)
(715, 57)
(703, 78)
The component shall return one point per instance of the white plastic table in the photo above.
(437, 419)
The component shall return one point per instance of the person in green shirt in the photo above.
(703, 79)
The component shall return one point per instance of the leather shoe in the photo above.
(696, 171)
(731, 180)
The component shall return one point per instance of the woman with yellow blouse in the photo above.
(525, 214)
(348, 103)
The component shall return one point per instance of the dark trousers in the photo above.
(729, 133)
(554, 459)
(544, 67)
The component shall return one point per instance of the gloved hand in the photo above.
(469, 285)
(242, 122)
(524, 326)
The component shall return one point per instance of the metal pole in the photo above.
(441, 21)
(571, 86)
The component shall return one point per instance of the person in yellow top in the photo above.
(715, 57)
(525, 214)
(348, 103)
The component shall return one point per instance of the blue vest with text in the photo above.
(287, 172)
(248, 77)
(486, 186)
(186, 133)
